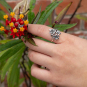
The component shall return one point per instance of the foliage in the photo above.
(81, 17)
(12, 51)
(5, 4)
(62, 13)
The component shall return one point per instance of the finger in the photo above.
(43, 31)
(42, 47)
(39, 73)
(40, 59)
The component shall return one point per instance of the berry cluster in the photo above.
(17, 27)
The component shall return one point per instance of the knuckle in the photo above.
(57, 52)
(41, 29)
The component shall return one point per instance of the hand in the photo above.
(66, 60)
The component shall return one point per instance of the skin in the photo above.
(66, 60)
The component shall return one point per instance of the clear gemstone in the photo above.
(52, 31)
(55, 33)
(56, 37)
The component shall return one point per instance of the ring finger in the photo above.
(44, 32)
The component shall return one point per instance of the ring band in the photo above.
(55, 34)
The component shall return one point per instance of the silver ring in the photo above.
(55, 34)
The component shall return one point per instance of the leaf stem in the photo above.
(78, 6)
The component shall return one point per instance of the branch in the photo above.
(24, 71)
(1, 37)
(78, 6)
(24, 75)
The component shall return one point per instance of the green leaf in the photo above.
(2, 52)
(1, 25)
(2, 13)
(63, 27)
(48, 11)
(37, 17)
(11, 61)
(30, 40)
(11, 51)
(50, 19)
(21, 81)
(31, 16)
(43, 84)
(81, 17)
(6, 5)
(13, 78)
(1, 65)
(62, 13)
(9, 44)
(4, 41)
(32, 4)
(1, 32)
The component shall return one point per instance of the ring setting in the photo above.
(55, 34)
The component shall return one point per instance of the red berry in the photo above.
(13, 20)
(7, 22)
(21, 22)
(25, 27)
(6, 32)
(16, 24)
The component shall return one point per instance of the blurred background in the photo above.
(80, 18)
